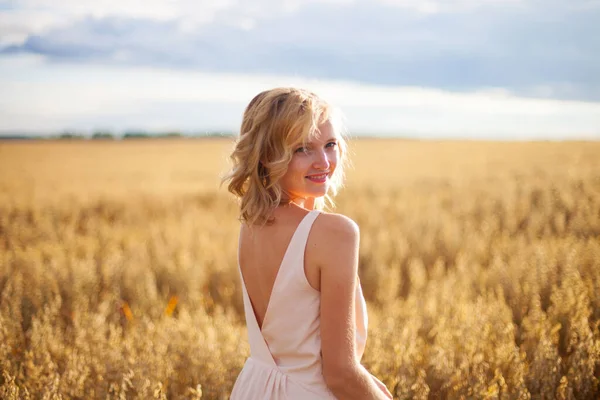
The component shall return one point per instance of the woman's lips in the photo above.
(321, 178)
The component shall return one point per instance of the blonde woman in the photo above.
(305, 312)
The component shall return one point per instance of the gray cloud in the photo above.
(547, 49)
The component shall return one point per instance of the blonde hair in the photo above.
(274, 123)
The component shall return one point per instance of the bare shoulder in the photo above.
(336, 225)
(333, 238)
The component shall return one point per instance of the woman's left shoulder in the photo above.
(335, 224)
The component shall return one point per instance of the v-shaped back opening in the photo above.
(288, 248)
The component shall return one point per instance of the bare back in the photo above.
(262, 249)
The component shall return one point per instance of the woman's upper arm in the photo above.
(337, 256)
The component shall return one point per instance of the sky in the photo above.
(477, 69)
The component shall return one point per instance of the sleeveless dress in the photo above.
(285, 355)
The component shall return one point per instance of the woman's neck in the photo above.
(308, 203)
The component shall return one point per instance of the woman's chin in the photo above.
(317, 195)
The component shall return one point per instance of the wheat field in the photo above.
(480, 262)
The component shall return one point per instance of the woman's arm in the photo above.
(336, 251)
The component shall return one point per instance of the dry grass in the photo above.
(480, 263)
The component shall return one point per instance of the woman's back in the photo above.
(261, 252)
(282, 309)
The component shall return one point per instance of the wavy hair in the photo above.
(274, 123)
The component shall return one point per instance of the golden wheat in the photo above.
(480, 263)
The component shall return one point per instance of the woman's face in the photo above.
(310, 170)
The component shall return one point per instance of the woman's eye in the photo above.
(301, 150)
(331, 144)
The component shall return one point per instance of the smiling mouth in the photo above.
(318, 178)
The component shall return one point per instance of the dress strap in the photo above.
(297, 244)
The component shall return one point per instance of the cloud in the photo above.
(33, 17)
(529, 47)
(450, 6)
(49, 98)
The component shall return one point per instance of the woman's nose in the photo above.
(322, 160)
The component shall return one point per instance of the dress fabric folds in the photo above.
(285, 355)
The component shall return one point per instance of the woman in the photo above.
(305, 311)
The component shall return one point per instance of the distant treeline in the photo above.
(106, 135)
